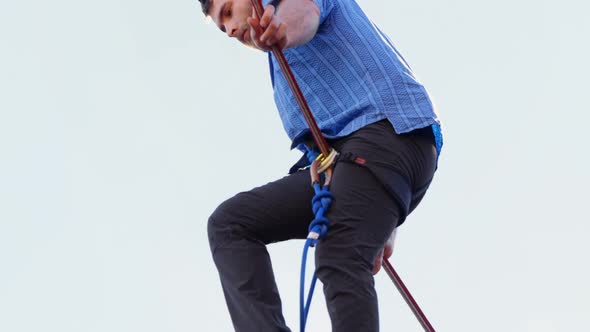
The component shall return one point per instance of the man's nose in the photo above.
(231, 30)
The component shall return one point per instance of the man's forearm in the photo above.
(302, 18)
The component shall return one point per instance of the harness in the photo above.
(322, 165)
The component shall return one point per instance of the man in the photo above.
(371, 109)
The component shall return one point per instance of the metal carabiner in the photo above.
(323, 165)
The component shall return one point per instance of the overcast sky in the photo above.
(123, 124)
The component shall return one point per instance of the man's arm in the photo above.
(302, 18)
(294, 24)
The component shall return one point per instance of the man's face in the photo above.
(230, 17)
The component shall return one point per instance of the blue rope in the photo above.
(320, 204)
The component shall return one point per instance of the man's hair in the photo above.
(205, 5)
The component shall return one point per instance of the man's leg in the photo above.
(239, 230)
(363, 215)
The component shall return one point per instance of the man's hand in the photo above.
(385, 253)
(269, 31)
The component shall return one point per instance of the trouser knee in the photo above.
(221, 224)
(343, 267)
(348, 288)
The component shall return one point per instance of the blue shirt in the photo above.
(351, 75)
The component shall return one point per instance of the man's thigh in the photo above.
(362, 216)
(364, 212)
(277, 211)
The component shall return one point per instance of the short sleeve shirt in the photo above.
(351, 75)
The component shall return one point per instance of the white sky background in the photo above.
(123, 124)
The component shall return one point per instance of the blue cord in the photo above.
(318, 228)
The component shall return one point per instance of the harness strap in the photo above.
(396, 184)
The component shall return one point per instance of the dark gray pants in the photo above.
(372, 196)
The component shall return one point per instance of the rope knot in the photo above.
(318, 228)
(322, 199)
